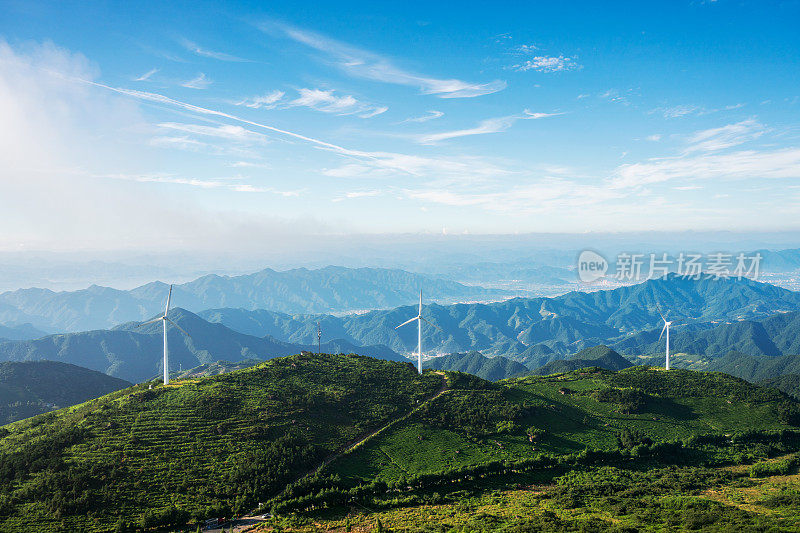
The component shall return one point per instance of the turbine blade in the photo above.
(150, 322)
(177, 326)
(409, 321)
(420, 302)
(658, 308)
(663, 330)
(432, 324)
(169, 298)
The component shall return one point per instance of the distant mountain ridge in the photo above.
(136, 353)
(597, 356)
(34, 387)
(771, 337)
(325, 290)
(535, 331)
(488, 368)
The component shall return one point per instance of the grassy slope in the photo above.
(680, 404)
(232, 439)
(229, 441)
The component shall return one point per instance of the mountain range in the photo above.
(535, 331)
(136, 353)
(326, 290)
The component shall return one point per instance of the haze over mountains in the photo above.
(536, 330)
(329, 290)
(717, 316)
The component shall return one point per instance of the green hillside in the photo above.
(195, 448)
(789, 383)
(31, 388)
(384, 437)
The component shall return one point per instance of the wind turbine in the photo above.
(667, 324)
(164, 319)
(419, 318)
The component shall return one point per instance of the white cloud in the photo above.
(357, 194)
(715, 139)
(232, 184)
(369, 65)
(198, 82)
(266, 101)
(741, 165)
(548, 64)
(431, 115)
(204, 52)
(654, 138)
(146, 76)
(328, 102)
(225, 131)
(491, 125)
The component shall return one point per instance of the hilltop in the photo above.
(281, 432)
(597, 356)
(31, 388)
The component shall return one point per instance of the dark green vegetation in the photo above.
(200, 448)
(136, 354)
(196, 448)
(597, 356)
(588, 450)
(535, 331)
(325, 290)
(489, 368)
(28, 389)
(789, 383)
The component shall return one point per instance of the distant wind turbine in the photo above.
(667, 324)
(164, 319)
(419, 318)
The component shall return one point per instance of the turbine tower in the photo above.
(419, 318)
(164, 319)
(667, 324)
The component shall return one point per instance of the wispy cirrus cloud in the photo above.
(235, 184)
(146, 76)
(706, 156)
(715, 139)
(267, 101)
(198, 82)
(491, 125)
(225, 131)
(324, 100)
(430, 115)
(369, 65)
(204, 52)
(328, 102)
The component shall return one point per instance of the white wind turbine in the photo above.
(419, 318)
(164, 319)
(667, 324)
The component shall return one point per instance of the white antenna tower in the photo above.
(164, 319)
(667, 324)
(419, 318)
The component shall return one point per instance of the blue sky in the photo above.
(141, 124)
